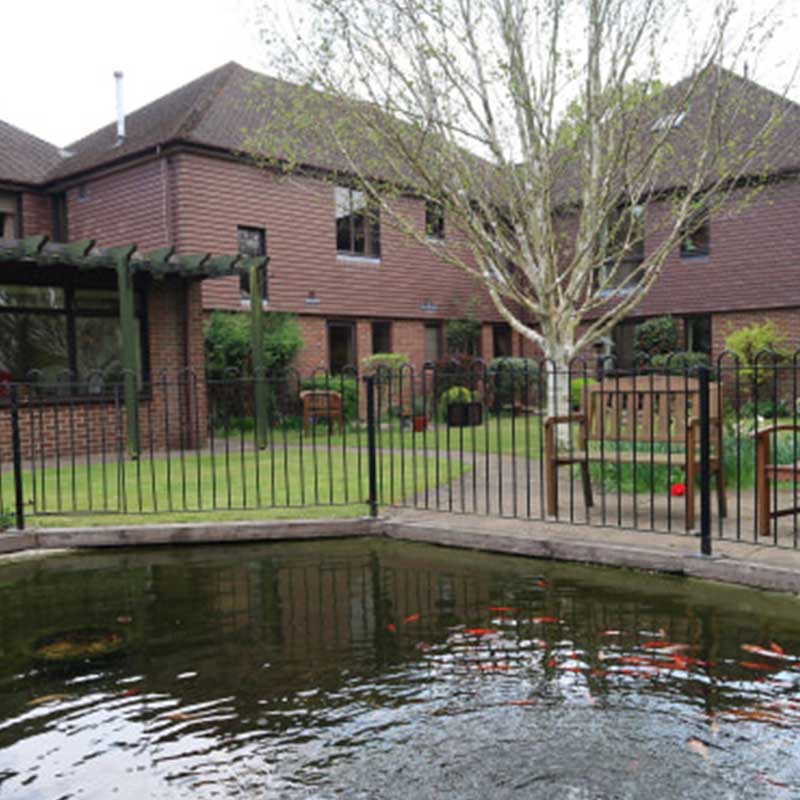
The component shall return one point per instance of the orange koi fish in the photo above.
(504, 609)
(480, 631)
(391, 627)
(546, 620)
(411, 618)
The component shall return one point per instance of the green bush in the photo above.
(463, 336)
(7, 519)
(576, 390)
(227, 343)
(748, 342)
(654, 337)
(346, 386)
(379, 361)
(680, 363)
(770, 409)
(511, 378)
(455, 394)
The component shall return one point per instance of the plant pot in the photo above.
(420, 423)
(464, 415)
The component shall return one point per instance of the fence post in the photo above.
(372, 455)
(705, 461)
(16, 445)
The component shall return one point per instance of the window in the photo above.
(501, 340)
(624, 345)
(358, 229)
(669, 121)
(8, 216)
(696, 236)
(64, 333)
(341, 346)
(433, 342)
(381, 337)
(627, 234)
(252, 243)
(434, 219)
(698, 333)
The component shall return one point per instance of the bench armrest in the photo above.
(550, 421)
(773, 429)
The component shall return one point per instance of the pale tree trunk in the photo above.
(558, 389)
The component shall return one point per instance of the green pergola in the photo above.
(127, 261)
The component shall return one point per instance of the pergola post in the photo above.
(256, 276)
(130, 366)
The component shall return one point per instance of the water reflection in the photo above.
(375, 669)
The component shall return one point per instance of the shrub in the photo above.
(654, 337)
(748, 342)
(455, 394)
(770, 409)
(347, 386)
(391, 361)
(459, 370)
(227, 343)
(7, 519)
(511, 378)
(680, 363)
(463, 336)
(576, 390)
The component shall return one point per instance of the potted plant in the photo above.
(420, 417)
(460, 408)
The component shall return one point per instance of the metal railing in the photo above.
(645, 450)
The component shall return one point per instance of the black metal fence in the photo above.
(710, 451)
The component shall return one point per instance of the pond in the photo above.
(375, 669)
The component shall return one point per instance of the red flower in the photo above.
(678, 489)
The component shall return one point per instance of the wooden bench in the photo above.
(767, 472)
(322, 404)
(635, 412)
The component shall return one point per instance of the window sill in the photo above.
(247, 304)
(702, 257)
(436, 240)
(620, 292)
(357, 259)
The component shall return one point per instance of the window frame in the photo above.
(71, 313)
(372, 226)
(390, 328)
(244, 278)
(691, 228)
(434, 221)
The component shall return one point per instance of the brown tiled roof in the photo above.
(220, 108)
(25, 158)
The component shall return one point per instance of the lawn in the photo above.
(275, 483)
(498, 434)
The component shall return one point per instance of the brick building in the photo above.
(178, 178)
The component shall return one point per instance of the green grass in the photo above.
(504, 434)
(282, 483)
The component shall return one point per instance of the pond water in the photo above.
(372, 669)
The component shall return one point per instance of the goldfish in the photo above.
(479, 631)
(546, 620)
(411, 618)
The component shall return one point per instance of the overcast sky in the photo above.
(58, 56)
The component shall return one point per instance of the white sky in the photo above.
(58, 56)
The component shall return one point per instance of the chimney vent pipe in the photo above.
(120, 108)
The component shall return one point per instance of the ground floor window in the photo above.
(65, 332)
(433, 341)
(501, 340)
(697, 331)
(624, 344)
(381, 337)
(341, 346)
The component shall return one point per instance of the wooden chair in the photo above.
(766, 472)
(637, 411)
(322, 404)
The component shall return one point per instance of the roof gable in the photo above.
(25, 158)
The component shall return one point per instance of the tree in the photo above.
(541, 129)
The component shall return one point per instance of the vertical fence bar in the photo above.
(371, 448)
(16, 445)
(705, 462)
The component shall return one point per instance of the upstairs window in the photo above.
(252, 243)
(8, 216)
(434, 219)
(358, 229)
(627, 235)
(696, 235)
